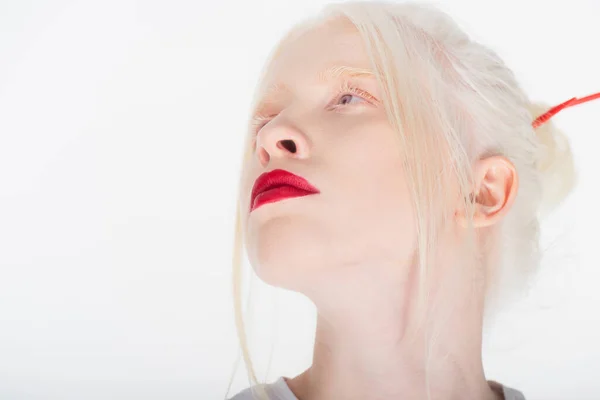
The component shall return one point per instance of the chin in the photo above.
(281, 275)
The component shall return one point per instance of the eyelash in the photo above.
(344, 89)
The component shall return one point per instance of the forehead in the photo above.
(327, 41)
(330, 50)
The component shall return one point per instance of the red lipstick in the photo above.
(277, 185)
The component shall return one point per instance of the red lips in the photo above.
(277, 185)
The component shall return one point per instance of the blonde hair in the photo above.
(451, 101)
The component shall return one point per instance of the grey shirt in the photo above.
(279, 390)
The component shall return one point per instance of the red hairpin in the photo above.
(551, 112)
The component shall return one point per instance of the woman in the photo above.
(392, 175)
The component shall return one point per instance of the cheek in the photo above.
(375, 220)
(372, 205)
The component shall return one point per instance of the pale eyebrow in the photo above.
(338, 71)
(327, 75)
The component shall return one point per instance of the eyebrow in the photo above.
(328, 74)
(337, 71)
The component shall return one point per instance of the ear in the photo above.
(496, 184)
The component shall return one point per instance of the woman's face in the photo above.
(345, 147)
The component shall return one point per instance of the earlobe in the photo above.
(460, 215)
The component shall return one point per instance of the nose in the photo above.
(280, 139)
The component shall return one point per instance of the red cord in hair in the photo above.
(551, 112)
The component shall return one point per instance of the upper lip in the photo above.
(280, 177)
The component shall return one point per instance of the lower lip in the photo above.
(278, 193)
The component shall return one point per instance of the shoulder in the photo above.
(512, 394)
(509, 393)
(277, 390)
(245, 394)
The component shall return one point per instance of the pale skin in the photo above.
(350, 249)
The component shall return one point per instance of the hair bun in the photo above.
(554, 161)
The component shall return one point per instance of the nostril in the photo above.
(289, 145)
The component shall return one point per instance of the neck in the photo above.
(361, 352)
(366, 366)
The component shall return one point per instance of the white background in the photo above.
(121, 128)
